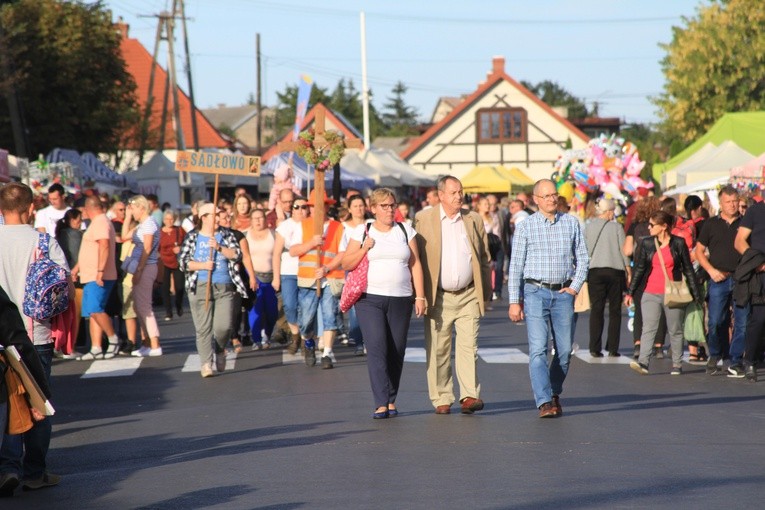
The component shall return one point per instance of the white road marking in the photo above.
(115, 367)
(194, 364)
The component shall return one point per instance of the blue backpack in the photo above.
(46, 291)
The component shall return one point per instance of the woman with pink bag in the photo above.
(385, 309)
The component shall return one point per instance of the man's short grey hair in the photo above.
(539, 183)
(441, 185)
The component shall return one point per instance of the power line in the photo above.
(379, 15)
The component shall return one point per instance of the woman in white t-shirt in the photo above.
(385, 309)
(285, 267)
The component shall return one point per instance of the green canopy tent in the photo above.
(745, 129)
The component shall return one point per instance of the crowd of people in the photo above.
(255, 278)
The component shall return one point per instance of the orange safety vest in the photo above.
(307, 263)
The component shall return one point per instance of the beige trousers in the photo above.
(452, 313)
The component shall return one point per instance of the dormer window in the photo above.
(501, 125)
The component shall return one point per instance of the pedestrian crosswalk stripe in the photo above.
(115, 367)
(605, 360)
(194, 364)
(502, 355)
(415, 355)
(488, 354)
(289, 359)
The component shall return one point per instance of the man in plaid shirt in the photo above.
(548, 268)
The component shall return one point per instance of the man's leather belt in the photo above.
(545, 285)
(460, 291)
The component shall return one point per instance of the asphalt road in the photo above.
(274, 434)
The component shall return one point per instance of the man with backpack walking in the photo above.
(25, 454)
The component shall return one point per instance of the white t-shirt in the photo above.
(188, 223)
(389, 273)
(47, 218)
(16, 253)
(292, 233)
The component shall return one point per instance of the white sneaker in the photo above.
(142, 352)
(207, 370)
(155, 352)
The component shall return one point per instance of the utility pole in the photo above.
(194, 131)
(166, 32)
(258, 104)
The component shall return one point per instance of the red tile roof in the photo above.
(330, 120)
(139, 63)
(497, 75)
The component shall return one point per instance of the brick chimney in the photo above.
(497, 65)
(122, 28)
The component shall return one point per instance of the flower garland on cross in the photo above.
(322, 157)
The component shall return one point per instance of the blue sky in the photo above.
(600, 51)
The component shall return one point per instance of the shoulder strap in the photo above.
(366, 231)
(661, 259)
(403, 229)
(597, 239)
(42, 243)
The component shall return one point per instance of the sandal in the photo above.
(237, 346)
(113, 349)
(93, 356)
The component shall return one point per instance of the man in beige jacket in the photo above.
(454, 250)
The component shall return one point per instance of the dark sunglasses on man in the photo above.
(303, 207)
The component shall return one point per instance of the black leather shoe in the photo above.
(595, 354)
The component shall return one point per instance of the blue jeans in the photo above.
(720, 304)
(31, 446)
(545, 308)
(289, 290)
(310, 304)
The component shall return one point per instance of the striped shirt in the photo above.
(547, 251)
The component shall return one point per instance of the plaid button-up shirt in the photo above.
(547, 251)
(228, 240)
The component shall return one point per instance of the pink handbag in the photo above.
(355, 281)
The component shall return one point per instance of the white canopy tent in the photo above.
(669, 178)
(715, 164)
(699, 187)
(355, 163)
(388, 162)
(158, 176)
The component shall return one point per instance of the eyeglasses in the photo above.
(387, 207)
(303, 207)
(553, 196)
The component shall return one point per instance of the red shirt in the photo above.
(168, 241)
(655, 283)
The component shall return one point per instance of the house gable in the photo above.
(453, 146)
(139, 64)
(332, 121)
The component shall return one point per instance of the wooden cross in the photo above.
(319, 212)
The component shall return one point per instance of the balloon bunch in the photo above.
(608, 166)
(749, 185)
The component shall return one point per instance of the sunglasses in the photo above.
(387, 207)
(651, 225)
(303, 207)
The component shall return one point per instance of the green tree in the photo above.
(555, 95)
(344, 100)
(400, 119)
(69, 75)
(287, 104)
(714, 64)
